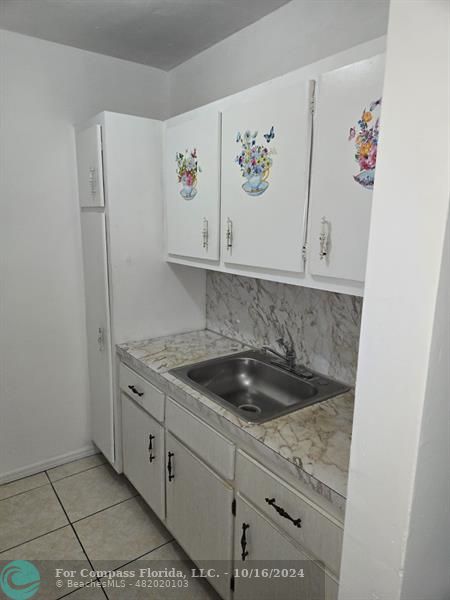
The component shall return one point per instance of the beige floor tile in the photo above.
(121, 534)
(88, 593)
(76, 466)
(59, 549)
(22, 485)
(29, 515)
(90, 491)
(167, 557)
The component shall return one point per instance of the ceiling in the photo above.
(159, 33)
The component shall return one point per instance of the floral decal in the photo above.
(255, 161)
(187, 171)
(365, 136)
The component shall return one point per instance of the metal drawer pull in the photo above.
(229, 234)
(205, 233)
(135, 390)
(324, 239)
(169, 466)
(244, 552)
(151, 456)
(283, 513)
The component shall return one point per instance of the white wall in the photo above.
(397, 516)
(299, 33)
(45, 89)
(427, 556)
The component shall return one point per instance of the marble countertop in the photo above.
(314, 440)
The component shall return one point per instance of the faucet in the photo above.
(289, 356)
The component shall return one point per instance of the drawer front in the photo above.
(202, 439)
(267, 547)
(143, 392)
(319, 533)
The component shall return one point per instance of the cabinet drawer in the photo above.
(267, 547)
(320, 534)
(205, 441)
(143, 392)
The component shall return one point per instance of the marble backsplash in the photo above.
(323, 326)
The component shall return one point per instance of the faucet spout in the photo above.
(289, 357)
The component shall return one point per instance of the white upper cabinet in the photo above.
(90, 168)
(343, 169)
(265, 156)
(283, 189)
(192, 186)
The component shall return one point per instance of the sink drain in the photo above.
(251, 408)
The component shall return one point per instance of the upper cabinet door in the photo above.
(90, 169)
(265, 156)
(192, 186)
(343, 169)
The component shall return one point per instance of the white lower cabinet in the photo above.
(201, 439)
(268, 565)
(229, 513)
(305, 523)
(143, 454)
(199, 511)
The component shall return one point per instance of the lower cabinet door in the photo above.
(143, 454)
(268, 565)
(199, 512)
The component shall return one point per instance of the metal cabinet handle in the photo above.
(229, 234)
(170, 466)
(134, 389)
(324, 239)
(244, 552)
(283, 513)
(151, 456)
(205, 233)
(93, 181)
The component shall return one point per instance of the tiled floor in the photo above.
(83, 515)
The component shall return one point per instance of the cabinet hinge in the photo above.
(312, 104)
(233, 507)
(232, 583)
(304, 251)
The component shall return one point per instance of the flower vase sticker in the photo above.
(255, 161)
(187, 171)
(365, 137)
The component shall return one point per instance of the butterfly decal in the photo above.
(375, 104)
(270, 136)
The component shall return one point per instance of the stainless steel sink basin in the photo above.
(256, 387)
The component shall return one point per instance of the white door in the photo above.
(192, 186)
(143, 454)
(98, 330)
(343, 169)
(265, 162)
(289, 574)
(89, 164)
(199, 511)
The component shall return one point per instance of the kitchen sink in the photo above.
(256, 387)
